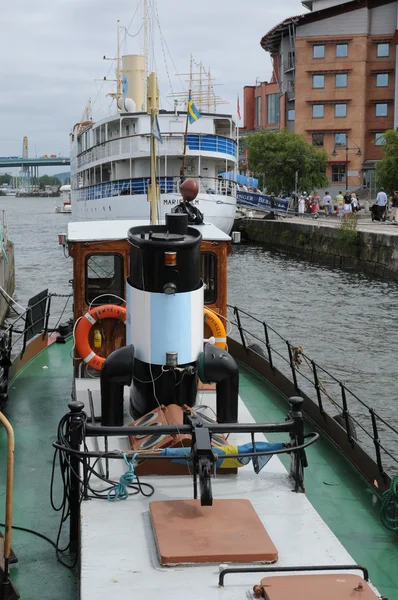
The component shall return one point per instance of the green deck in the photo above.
(39, 397)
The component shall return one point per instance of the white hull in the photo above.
(218, 209)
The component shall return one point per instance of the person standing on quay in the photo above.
(301, 206)
(382, 202)
(327, 203)
(339, 199)
(347, 203)
(394, 208)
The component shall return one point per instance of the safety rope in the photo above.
(389, 506)
(119, 491)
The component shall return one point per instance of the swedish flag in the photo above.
(193, 113)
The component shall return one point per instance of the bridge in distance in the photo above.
(17, 161)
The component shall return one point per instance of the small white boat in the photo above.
(65, 197)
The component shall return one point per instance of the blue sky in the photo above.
(52, 54)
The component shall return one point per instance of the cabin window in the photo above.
(104, 279)
(209, 276)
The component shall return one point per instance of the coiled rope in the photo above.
(119, 491)
(389, 506)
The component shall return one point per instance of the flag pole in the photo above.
(152, 109)
(182, 171)
(237, 137)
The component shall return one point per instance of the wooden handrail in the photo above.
(9, 485)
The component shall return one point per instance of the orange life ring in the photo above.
(106, 311)
(216, 327)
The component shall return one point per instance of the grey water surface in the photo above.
(346, 321)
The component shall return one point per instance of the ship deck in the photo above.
(349, 509)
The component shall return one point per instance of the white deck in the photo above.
(119, 557)
(85, 231)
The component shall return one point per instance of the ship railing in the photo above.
(25, 327)
(376, 433)
(167, 185)
(137, 145)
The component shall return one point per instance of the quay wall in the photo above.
(7, 278)
(374, 252)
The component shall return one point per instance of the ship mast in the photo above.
(152, 109)
(146, 36)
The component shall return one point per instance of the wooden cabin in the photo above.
(101, 264)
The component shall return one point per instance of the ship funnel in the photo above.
(133, 67)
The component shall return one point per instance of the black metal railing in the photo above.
(362, 423)
(17, 334)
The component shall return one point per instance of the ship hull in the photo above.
(217, 209)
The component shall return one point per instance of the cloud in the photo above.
(53, 56)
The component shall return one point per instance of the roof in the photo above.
(93, 231)
(270, 41)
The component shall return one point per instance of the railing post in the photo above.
(268, 345)
(346, 413)
(75, 439)
(292, 366)
(242, 337)
(376, 442)
(317, 387)
(48, 306)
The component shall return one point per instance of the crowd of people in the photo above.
(347, 203)
(340, 205)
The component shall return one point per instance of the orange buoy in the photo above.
(106, 311)
(216, 327)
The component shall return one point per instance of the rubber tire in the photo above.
(341, 421)
(257, 349)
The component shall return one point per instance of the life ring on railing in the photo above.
(216, 327)
(106, 311)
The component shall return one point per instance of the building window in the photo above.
(317, 139)
(383, 50)
(341, 50)
(338, 173)
(381, 110)
(105, 278)
(382, 79)
(318, 81)
(340, 110)
(340, 139)
(380, 140)
(258, 111)
(319, 51)
(341, 79)
(318, 111)
(291, 114)
(272, 109)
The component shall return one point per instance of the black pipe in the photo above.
(116, 372)
(99, 430)
(217, 366)
(291, 570)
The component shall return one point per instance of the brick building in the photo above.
(334, 69)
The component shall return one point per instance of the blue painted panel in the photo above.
(171, 327)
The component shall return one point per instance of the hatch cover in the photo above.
(228, 531)
(313, 587)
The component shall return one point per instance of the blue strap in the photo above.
(120, 491)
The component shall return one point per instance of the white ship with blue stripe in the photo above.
(110, 159)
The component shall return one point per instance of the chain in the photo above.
(60, 295)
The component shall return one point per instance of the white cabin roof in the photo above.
(92, 231)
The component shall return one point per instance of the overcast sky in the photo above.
(52, 53)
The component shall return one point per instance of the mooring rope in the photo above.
(389, 506)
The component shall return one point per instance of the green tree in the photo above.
(6, 178)
(387, 168)
(47, 180)
(278, 156)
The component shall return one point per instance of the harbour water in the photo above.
(345, 321)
